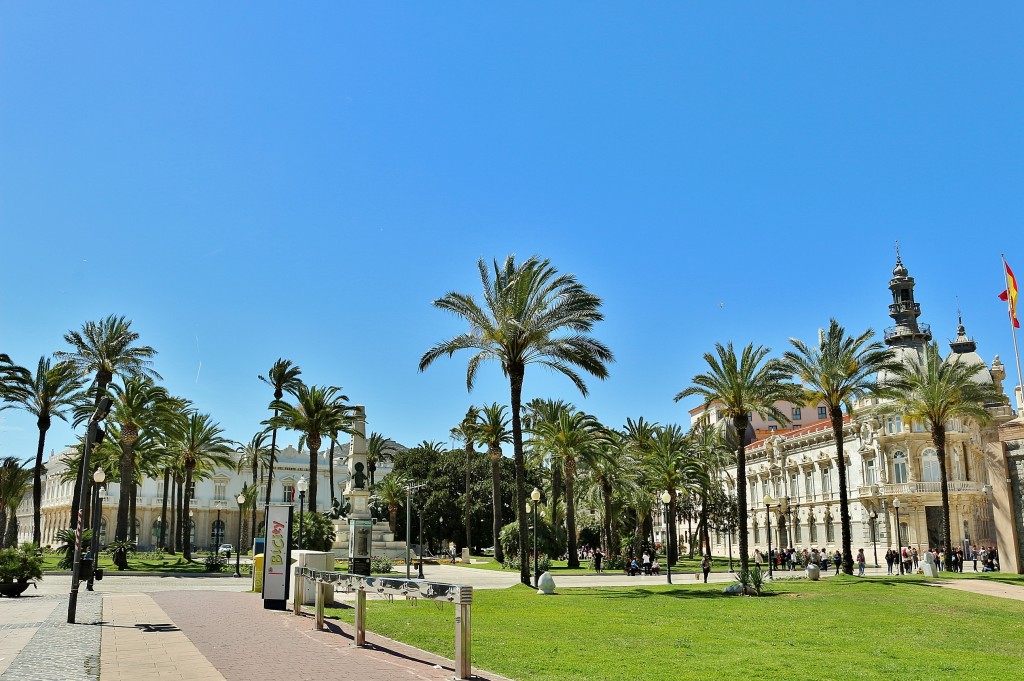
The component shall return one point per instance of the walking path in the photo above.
(985, 587)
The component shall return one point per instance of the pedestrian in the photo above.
(598, 557)
(860, 562)
(758, 557)
(647, 563)
(914, 557)
(705, 565)
(838, 559)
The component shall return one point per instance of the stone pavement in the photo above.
(985, 587)
(56, 649)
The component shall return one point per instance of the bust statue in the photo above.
(359, 477)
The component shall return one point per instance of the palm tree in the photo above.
(546, 410)
(839, 370)
(492, 431)
(14, 479)
(466, 432)
(740, 386)
(933, 391)
(391, 492)
(531, 315)
(282, 377)
(48, 393)
(200, 445)
(672, 466)
(611, 475)
(379, 450)
(257, 458)
(318, 410)
(713, 455)
(570, 439)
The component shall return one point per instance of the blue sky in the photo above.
(254, 181)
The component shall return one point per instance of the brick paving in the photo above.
(244, 641)
(56, 649)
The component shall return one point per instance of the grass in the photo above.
(843, 627)
(168, 564)
(561, 567)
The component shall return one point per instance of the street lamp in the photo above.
(535, 496)
(420, 509)
(220, 531)
(899, 540)
(768, 503)
(98, 477)
(238, 549)
(790, 516)
(665, 499)
(874, 535)
(301, 486)
(529, 508)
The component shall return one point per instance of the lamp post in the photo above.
(408, 527)
(301, 486)
(529, 508)
(874, 535)
(665, 499)
(899, 539)
(768, 502)
(535, 496)
(98, 490)
(420, 574)
(790, 516)
(220, 531)
(238, 549)
(728, 538)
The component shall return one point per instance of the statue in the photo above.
(359, 477)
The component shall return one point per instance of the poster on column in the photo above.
(277, 558)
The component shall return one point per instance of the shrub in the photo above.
(549, 541)
(614, 563)
(317, 532)
(21, 564)
(512, 563)
(380, 565)
(215, 562)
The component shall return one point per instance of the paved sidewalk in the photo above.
(984, 587)
(244, 641)
(54, 649)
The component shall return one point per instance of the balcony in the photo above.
(905, 306)
(893, 331)
(929, 487)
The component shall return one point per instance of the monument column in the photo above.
(360, 523)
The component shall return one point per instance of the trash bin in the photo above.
(85, 568)
(257, 573)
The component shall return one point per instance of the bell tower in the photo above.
(904, 310)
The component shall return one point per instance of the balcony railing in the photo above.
(923, 330)
(928, 487)
(896, 308)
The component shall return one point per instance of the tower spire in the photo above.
(904, 309)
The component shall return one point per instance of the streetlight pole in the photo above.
(408, 528)
(665, 499)
(301, 486)
(98, 478)
(535, 496)
(528, 509)
(238, 549)
(791, 520)
(768, 501)
(420, 509)
(874, 535)
(899, 540)
(728, 537)
(220, 531)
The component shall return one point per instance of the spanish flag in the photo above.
(1010, 295)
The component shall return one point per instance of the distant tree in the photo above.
(466, 433)
(282, 377)
(492, 429)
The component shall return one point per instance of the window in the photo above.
(904, 534)
(826, 481)
(773, 428)
(160, 489)
(958, 465)
(220, 490)
(822, 413)
(757, 533)
(289, 492)
(809, 483)
(918, 426)
(794, 487)
(812, 530)
(929, 466)
(796, 413)
(216, 533)
(869, 472)
(894, 424)
(103, 532)
(154, 533)
(192, 491)
(830, 530)
(899, 467)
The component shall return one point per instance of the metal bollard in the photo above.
(297, 593)
(360, 618)
(320, 598)
(463, 642)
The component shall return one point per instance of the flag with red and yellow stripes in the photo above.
(1010, 295)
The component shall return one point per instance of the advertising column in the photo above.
(278, 557)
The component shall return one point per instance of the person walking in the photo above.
(860, 562)
(837, 558)
(647, 563)
(705, 566)
(598, 557)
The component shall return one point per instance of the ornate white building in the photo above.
(886, 459)
(215, 516)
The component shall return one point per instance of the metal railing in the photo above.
(461, 596)
(929, 487)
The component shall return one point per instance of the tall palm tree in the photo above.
(573, 438)
(14, 479)
(671, 465)
(391, 492)
(546, 410)
(531, 314)
(379, 450)
(741, 385)
(200, 445)
(256, 457)
(837, 371)
(492, 430)
(611, 473)
(106, 349)
(933, 391)
(466, 433)
(282, 377)
(318, 410)
(712, 453)
(48, 393)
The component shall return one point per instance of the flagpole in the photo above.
(1013, 331)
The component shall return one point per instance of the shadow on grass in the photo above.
(669, 592)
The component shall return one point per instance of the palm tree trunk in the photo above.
(393, 518)
(469, 500)
(672, 550)
(312, 478)
(178, 523)
(706, 531)
(37, 484)
(939, 440)
(570, 512)
(606, 493)
(125, 491)
(132, 532)
(689, 532)
(11, 534)
(187, 538)
(330, 471)
(496, 522)
(270, 467)
(515, 374)
(3, 526)
(163, 509)
(844, 503)
(740, 423)
(556, 492)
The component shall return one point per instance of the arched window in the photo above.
(958, 465)
(929, 466)
(138, 531)
(217, 533)
(899, 467)
(154, 533)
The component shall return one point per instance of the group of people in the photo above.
(907, 559)
(791, 559)
(647, 565)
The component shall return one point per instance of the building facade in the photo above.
(892, 468)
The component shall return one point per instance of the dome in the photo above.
(902, 354)
(964, 349)
(728, 432)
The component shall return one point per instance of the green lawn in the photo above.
(561, 567)
(136, 564)
(841, 628)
